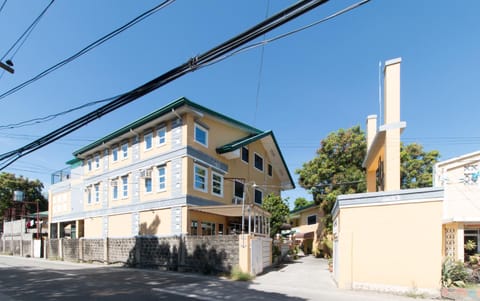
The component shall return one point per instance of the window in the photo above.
(245, 154)
(220, 229)
(194, 228)
(125, 186)
(89, 195)
(125, 150)
(97, 161)
(208, 228)
(258, 196)
(148, 138)
(97, 192)
(89, 164)
(258, 162)
(201, 135)
(161, 136)
(270, 170)
(115, 189)
(238, 191)
(148, 184)
(200, 178)
(162, 178)
(311, 219)
(115, 153)
(217, 184)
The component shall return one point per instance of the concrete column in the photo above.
(60, 248)
(105, 250)
(81, 249)
(392, 116)
(460, 242)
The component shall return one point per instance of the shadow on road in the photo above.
(110, 283)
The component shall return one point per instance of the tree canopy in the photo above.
(279, 210)
(301, 202)
(416, 166)
(32, 192)
(337, 168)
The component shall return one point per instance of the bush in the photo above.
(238, 275)
(454, 273)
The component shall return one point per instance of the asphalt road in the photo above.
(37, 279)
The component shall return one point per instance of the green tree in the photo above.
(279, 210)
(416, 166)
(301, 202)
(32, 192)
(336, 169)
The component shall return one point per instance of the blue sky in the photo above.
(312, 83)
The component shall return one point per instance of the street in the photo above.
(36, 279)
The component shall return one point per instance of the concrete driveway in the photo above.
(308, 278)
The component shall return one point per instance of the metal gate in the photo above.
(261, 252)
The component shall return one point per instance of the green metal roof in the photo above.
(160, 112)
(250, 139)
(303, 208)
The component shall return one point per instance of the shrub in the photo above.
(238, 275)
(453, 273)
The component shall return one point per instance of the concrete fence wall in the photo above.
(205, 254)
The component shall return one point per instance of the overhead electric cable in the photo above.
(38, 120)
(88, 47)
(263, 27)
(3, 5)
(27, 32)
(281, 36)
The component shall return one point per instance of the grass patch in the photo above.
(238, 275)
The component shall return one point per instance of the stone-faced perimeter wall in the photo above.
(205, 254)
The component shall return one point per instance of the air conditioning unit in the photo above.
(146, 173)
(114, 183)
(237, 201)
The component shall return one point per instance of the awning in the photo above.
(232, 210)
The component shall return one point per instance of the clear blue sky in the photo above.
(312, 83)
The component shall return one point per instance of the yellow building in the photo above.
(388, 239)
(183, 169)
(307, 227)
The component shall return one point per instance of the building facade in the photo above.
(183, 169)
(307, 228)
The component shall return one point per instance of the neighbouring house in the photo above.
(307, 227)
(388, 239)
(459, 178)
(181, 170)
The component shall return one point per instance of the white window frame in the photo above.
(163, 137)
(197, 126)
(205, 180)
(115, 153)
(89, 163)
(97, 161)
(145, 185)
(89, 195)
(148, 136)
(255, 162)
(219, 182)
(123, 150)
(248, 155)
(96, 188)
(243, 192)
(255, 196)
(162, 178)
(114, 184)
(124, 187)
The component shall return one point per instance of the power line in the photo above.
(53, 116)
(249, 47)
(88, 47)
(261, 28)
(27, 32)
(3, 4)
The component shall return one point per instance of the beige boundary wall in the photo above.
(389, 241)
